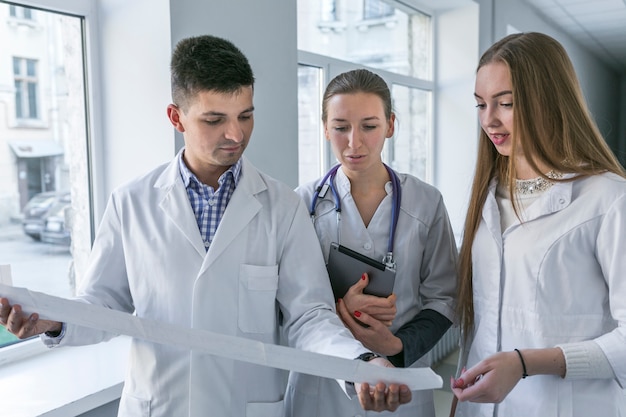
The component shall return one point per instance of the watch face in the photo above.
(368, 356)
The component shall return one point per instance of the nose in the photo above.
(490, 117)
(234, 131)
(354, 139)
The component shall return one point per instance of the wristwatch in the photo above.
(367, 356)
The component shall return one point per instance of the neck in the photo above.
(206, 174)
(523, 170)
(364, 181)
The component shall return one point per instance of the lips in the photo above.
(498, 138)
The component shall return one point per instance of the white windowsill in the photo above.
(65, 381)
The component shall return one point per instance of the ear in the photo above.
(391, 125)
(174, 113)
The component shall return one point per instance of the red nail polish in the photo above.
(363, 276)
(357, 314)
(459, 383)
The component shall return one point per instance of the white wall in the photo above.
(456, 126)
(134, 134)
(265, 31)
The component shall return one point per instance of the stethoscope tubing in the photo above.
(329, 179)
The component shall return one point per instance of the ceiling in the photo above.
(599, 25)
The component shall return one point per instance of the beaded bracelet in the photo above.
(521, 358)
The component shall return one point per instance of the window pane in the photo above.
(32, 100)
(309, 119)
(45, 213)
(376, 9)
(18, 99)
(31, 66)
(329, 10)
(410, 148)
(398, 42)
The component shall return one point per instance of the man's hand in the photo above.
(24, 326)
(382, 397)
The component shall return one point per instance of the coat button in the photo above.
(367, 246)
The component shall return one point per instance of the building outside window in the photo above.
(45, 188)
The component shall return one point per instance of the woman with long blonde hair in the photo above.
(542, 292)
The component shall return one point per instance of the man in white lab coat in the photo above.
(209, 242)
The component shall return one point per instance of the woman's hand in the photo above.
(374, 335)
(380, 308)
(489, 381)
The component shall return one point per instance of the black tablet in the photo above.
(345, 267)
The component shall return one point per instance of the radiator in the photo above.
(446, 345)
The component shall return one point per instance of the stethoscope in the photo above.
(328, 182)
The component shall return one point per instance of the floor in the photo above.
(443, 396)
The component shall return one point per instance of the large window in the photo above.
(390, 39)
(45, 209)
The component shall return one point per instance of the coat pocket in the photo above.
(257, 298)
(265, 409)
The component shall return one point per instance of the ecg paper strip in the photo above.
(237, 348)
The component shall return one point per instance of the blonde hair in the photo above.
(552, 127)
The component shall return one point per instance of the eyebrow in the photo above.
(217, 113)
(365, 119)
(500, 94)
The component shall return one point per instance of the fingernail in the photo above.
(357, 314)
(459, 383)
(32, 318)
(363, 276)
(338, 300)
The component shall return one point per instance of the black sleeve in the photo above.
(418, 336)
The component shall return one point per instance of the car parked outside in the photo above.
(55, 228)
(37, 208)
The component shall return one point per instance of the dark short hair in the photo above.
(207, 63)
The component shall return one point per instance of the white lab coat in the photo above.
(263, 268)
(558, 278)
(425, 253)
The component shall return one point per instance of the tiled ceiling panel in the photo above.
(599, 25)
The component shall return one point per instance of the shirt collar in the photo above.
(187, 176)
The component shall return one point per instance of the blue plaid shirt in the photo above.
(208, 204)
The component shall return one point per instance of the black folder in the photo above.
(345, 267)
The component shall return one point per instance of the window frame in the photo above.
(331, 67)
(87, 10)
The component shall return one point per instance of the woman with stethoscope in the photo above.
(357, 205)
